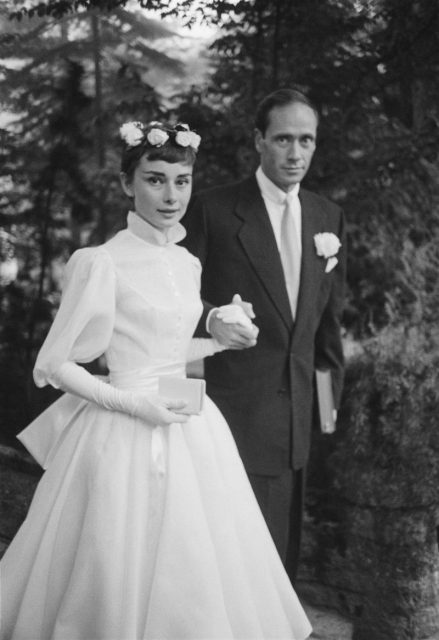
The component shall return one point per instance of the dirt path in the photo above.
(328, 625)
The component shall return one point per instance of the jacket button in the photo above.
(282, 391)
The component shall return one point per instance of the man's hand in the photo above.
(247, 307)
(232, 335)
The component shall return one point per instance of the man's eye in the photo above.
(282, 140)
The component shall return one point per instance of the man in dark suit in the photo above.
(278, 246)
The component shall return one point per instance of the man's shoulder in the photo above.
(322, 202)
(226, 192)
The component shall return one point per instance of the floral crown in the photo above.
(155, 134)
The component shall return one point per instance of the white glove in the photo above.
(246, 306)
(201, 348)
(156, 411)
(233, 313)
(231, 324)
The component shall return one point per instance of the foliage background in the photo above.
(72, 72)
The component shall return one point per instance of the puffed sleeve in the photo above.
(195, 266)
(83, 325)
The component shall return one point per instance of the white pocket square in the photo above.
(331, 264)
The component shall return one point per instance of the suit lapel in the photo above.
(312, 268)
(258, 241)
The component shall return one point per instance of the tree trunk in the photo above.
(99, 128)
(277, 43)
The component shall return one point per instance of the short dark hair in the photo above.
(280, 98)
(169, 151)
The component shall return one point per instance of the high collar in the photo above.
(145, 231)
(271, 191)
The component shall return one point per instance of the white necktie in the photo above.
(290, 253)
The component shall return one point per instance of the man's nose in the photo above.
(294, 150)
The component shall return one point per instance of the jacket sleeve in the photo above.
(328, 343)
(196, 242)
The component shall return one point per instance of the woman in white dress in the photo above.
(144, 525)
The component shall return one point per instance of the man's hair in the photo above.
(280, 98)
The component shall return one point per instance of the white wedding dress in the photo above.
(136, 531)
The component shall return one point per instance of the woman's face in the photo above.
(161, 191)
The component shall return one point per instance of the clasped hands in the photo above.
(231, 325)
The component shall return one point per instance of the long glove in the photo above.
(200, 348)
(75, 379)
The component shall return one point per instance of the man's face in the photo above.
(287, 148)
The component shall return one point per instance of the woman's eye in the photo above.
(154, 180)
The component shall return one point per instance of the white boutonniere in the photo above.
(327, 246)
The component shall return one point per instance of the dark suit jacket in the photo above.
(266, 392)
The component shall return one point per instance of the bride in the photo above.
(144, 525)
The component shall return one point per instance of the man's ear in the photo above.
(127, 185)
(258, 140)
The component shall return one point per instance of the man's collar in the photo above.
(271, 191)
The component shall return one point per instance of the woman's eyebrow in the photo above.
(163, 175)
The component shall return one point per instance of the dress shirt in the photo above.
(274, 199)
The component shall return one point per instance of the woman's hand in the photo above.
(247, 307)
(160, 411)
(231, 325)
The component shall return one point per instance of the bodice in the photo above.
(157, 305)
(135, 299)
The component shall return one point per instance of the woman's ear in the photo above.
(127, 185)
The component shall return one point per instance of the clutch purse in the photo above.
(191, 390)
(325, 400)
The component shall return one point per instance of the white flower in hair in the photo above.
(157, 137)
(188, 139)
(131, 133)
(195, 140)
(183, 138)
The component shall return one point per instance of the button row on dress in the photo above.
(177, 294)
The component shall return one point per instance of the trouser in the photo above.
(281, 500)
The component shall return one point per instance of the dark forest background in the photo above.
(72, 72)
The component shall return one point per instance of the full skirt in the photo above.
(140, 532)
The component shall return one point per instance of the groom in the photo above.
(257, 238)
